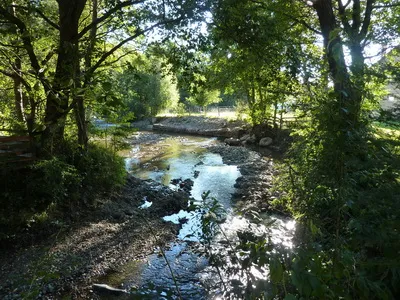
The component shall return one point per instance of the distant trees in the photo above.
(204, 97)
(258, 54)
(146, 88)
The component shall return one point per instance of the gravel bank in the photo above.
(201, 126)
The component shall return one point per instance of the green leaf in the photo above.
(276, 270)
(107, 86)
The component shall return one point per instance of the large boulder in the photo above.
(265, 142)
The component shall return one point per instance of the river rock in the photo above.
(199, 164)
(252, 139)
(232, 142)
(176, 181)
(266, 141)
(186, 185)
(248, 139)
(106, 290)
(245, 137)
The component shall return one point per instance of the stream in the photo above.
(187, 157)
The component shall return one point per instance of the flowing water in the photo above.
(187, 158)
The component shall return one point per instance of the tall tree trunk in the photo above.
(80, 110)
(275, 113)
(17, 81)
(66, 74)
(357, 69)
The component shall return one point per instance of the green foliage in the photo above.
(113, 136)
(140, 87)
(204, 97)
(349, 216)
(102, 169)
(254, 61)
(53, 180)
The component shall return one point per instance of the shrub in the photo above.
(53, 180)
(101, 168)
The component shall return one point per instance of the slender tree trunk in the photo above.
(17, 82)
(80, 116)
(18, 92)
(275, 112)
(357, 69)
(80, 109)
(31, 118)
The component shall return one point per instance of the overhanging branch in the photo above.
(123, 42)
(297, 20)
(107, 15)
(342, 15)
(367, 18)
(41, 14)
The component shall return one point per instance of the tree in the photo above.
(336, 180)
(204, 97)
(80, 27)
(258, 54)
(146, 87)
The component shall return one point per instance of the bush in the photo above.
(101, 169)
(53, 181)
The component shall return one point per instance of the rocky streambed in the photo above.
(104, 238)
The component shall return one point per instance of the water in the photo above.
(187, 157)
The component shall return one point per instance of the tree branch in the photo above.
(108, 14)
(120, 57)
(28, 46)
(386, 5)
(367, 18)
(119, 45)
(26, 39)
(356, 15)
(11, 46)
(342, 15)
(49, 56)
(11, 75)
(41, 14)
(299, 21)
(16, 75)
